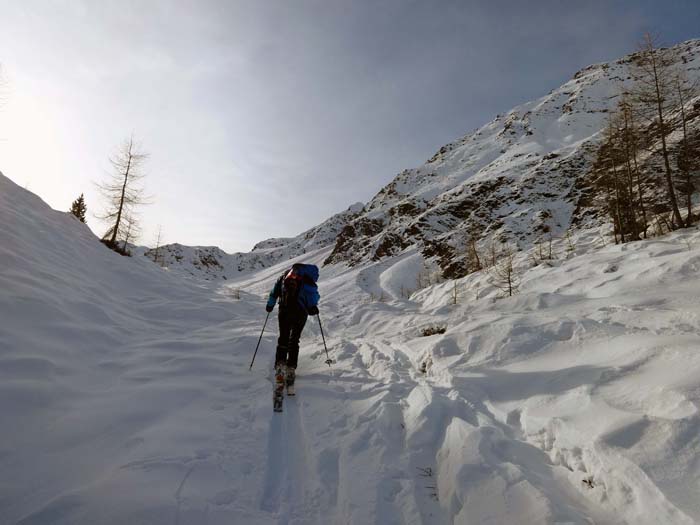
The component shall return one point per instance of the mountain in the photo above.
(521, 177)
(524, 177)
(211, 262)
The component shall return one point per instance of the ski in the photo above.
(277, 403)
(278, 393)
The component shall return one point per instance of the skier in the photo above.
(298, 298)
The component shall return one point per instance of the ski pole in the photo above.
(260, 339)
(328, 360)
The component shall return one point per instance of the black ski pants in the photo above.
(292, 321)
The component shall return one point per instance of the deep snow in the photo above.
(126, 396)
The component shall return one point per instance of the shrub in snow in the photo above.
(433, 329)
(117, 247)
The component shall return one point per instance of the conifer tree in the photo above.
(79, 208)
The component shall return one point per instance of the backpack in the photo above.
(299, 286)
(291, 284)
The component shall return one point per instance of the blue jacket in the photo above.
(308, 293)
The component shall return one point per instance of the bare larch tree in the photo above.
(503, 273)
(655, 96)
(157, 251)
(688, 151)
(131, 229)
(123, 191)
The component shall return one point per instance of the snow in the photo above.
(126, 395)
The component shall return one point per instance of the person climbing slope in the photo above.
(298, 297)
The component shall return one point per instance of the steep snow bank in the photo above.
(110, 372)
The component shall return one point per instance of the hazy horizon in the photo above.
(264, 119)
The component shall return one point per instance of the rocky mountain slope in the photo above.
(519, 177)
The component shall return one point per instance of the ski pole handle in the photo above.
(259, 339)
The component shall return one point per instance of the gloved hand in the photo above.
(313, 310)
(269, 308)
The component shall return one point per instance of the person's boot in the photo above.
(291, 376)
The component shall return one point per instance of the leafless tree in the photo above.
(631, 139)
(455, 292)
(157, 255)
(473, 258)
(503, 274)
(654, 95)
(123, 191)
(570, 246)
(688, 151)
(423, 277)
(543, 250)
(492, 254)
(608, 178)
(131, 230)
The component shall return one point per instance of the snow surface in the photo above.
(125, 394)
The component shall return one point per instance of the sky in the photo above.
(264, 118)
